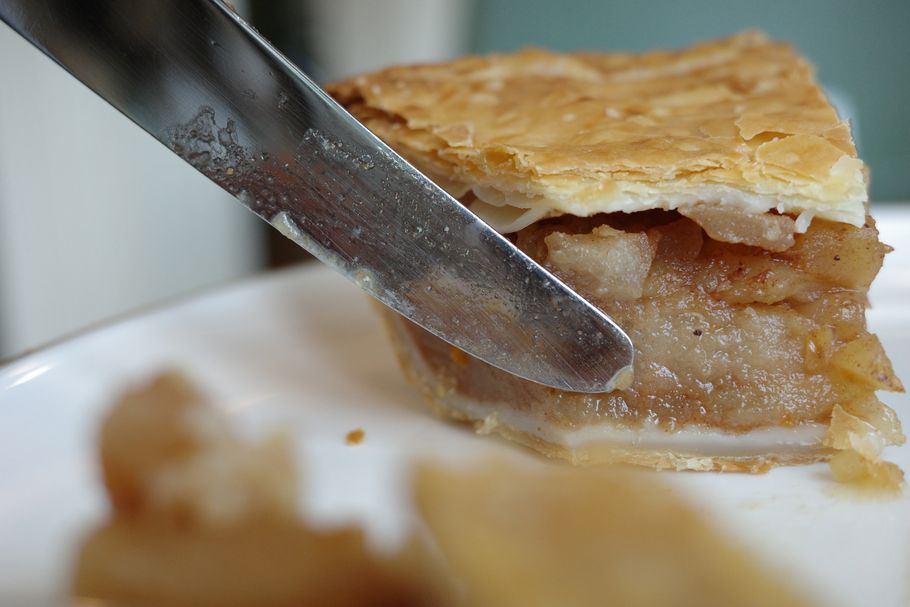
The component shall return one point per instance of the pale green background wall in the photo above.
(862, 50)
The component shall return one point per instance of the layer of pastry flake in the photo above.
(738, 122)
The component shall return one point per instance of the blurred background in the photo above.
(97, 219)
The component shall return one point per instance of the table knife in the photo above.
(204, 83)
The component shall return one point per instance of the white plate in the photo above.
(302, 349)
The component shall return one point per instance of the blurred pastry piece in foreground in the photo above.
(710, 200)
(200, 517)
(561, 536)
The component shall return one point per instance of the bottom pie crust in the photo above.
(688, 448)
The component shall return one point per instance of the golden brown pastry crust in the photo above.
(736, 121)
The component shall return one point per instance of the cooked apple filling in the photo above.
(726, 335)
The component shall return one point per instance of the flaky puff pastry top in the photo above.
(738, 121)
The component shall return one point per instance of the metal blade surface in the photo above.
(206, 85)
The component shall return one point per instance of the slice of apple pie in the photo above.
(710, 200)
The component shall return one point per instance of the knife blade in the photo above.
(196, 77)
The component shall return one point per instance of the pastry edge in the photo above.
(638, 197)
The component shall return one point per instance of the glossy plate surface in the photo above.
(303, 349)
